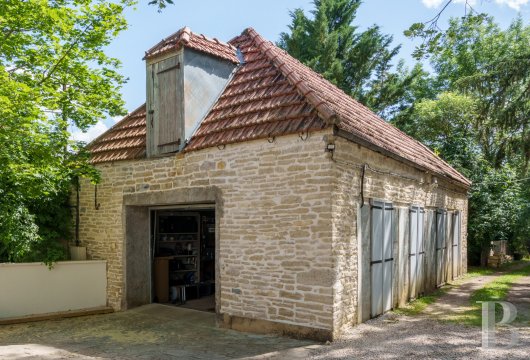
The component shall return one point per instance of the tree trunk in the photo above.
(484, 254)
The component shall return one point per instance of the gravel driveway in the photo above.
(429, 336)
(403, 337)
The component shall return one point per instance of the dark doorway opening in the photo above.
(183, 248)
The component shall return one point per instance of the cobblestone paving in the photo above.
(149, 332)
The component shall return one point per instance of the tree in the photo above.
(445, 124)
(360, 63)
(477, 57)
(53, 74)
(496, 212)
(430, 31)
(479, 121)
(497, 201)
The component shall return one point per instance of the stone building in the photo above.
(250, 181)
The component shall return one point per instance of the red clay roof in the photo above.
(273, 94)
(335, 106)
(259, 102)
(124, 141)
(199, 42)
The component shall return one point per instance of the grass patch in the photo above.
(474, 271)
(417, 306)
(496, 290)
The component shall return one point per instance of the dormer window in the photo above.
(182, 85)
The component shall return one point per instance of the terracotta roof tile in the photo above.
(337, 107)
(270, 94)
(124, 141)
(199, 42)
(259, 102)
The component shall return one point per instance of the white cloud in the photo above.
(514, 4)
(435, 3)
(92, 133)
(432, 3)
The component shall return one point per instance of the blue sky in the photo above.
(225, 19)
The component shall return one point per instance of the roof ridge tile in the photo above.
(200, 42)
(185, 35)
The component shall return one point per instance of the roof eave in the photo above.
(358, 140)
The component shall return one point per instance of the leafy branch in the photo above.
(49, 73)
(161, 4)
(431, 34)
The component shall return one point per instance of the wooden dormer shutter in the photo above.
(165, 106)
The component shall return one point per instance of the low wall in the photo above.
(32, 289)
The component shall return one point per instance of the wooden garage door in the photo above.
(457, 254)
(382, 260)
(417, 251)
(441, 223)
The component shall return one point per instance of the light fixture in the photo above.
(434, 183)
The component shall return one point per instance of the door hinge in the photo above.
(151, 116)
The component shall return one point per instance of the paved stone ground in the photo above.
(149, 332)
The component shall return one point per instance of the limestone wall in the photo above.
(289, 229)
(392, 181)
(275, 227)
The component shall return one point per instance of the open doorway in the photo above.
(183, 249)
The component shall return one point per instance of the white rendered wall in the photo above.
(32, 288)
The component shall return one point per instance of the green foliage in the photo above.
(497, 199)
(420, 304)
(360, 63)
(493, 65)
(446, 126)
(521, 243)
(161, 4)
(496, 207)
(53, 74)
(478, 121)
(432, 35)
(496, 290)
(476, 57)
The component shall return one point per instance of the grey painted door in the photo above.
(381, 263)
(413, 254)
(417, 252)
(441, 220)
(421, 253)
(456, 245)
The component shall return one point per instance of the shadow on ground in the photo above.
(149, 332)
(404, 337)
